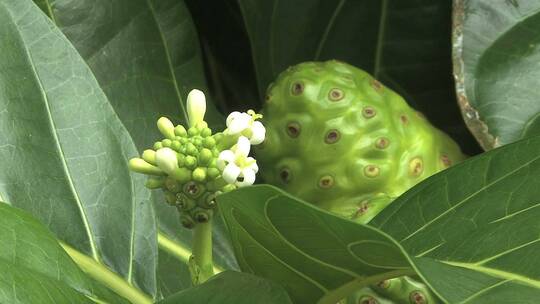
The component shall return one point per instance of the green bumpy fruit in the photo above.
(338, 138)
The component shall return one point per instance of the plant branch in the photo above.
(104, 275)
(202, 252)
(334, 296)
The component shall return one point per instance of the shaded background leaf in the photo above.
(231, 287)
(35, 269)
(474, 227)
(405, 44)
(63, 150)
(145, 55)
(309, 251)
(496, 66)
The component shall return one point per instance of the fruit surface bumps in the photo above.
(338, 138)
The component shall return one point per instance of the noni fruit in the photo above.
(338, 138)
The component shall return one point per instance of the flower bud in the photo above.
(199, 174)
(196, 107)
(154, 183)
(193, 131)
(149, 156)
(166, 160)
(182, 175)
(180, 131)
(205, 132)
(141, 166)
(158, 145)
(190, 162)
(166, 143)
(209, 142)
(166, 127)
(213, 173)
(191, 149)
(205, 156)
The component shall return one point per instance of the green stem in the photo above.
(336, 295)
(202, 251)
(178, 250)
(104, 275)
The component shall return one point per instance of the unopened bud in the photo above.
(166, 127)
(141, 166)
(166, 160)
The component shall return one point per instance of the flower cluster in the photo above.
(192, 166)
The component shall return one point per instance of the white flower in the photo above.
(237, 167)
(247, 125)
(196, 107)
(166, 160)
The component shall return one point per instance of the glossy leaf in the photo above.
(404, 44)
(474, 228)
(232, 288)
(63, 150)
(497, 64)
(312, 253)
(35, 269)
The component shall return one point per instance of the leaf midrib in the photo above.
(496, 273)
(169, 60)
(52, 126)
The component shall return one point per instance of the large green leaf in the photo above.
(35, 269)
(312, 253)
(63, 150)
(474, 228)
(497, 64)
(232, 288)
(145, 55)
(405, 44)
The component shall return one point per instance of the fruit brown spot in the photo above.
(367, 300)
(332, 136)
(285, 175)
(293, 129)
(404, 119)
(417, 297)
(326, 182)
(371, 171)
(416, 167)
(375, 84)
(297, 88)
(187, 222)
(446, 161)
(368, 112)
(268, 97)
(382, 143)
(363, 207)
(384, 284)
(336, 94)
(192, 189)
(201, 217)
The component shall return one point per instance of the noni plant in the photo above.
(272, 152)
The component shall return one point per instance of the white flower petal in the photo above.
(232, 116)
(196, 107)
(242, 147)
(258, 133)
(224, 158)
(231, 173)
(239, 123)
(252, 164)
(248, 178)
(166, 160)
